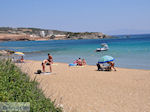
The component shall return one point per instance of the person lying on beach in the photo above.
(112, 65)
(46, 62)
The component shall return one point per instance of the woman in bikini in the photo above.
(44, 62)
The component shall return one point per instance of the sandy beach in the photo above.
(84, 89)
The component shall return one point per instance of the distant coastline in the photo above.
(35, 34)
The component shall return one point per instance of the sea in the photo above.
(129, 51)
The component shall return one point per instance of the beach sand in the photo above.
(84, 89)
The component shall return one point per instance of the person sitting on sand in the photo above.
(46, 62)
(112, 65)
(75, 62)
(22, 59)
(83, 62)
(79, 62)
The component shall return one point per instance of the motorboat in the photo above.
(103, 48)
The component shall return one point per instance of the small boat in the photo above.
(104, 48)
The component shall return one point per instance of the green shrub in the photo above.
(16, 86)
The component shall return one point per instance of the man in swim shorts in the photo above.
(50, 58)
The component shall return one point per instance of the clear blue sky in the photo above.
(107, 16)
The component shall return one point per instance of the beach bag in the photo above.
(39, 71)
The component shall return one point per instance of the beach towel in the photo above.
(47, 73)
(71, 64)
(39, 72)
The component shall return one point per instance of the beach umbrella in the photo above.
(19, 53)
(105, 59)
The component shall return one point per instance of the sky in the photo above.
(107, 16)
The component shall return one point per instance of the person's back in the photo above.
(22, 59)
(79, 62)
(44, 61)
(83, 62)
(75, 62)
(43, 64)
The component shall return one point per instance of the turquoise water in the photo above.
(133, 52)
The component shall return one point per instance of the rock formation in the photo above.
(17, 34)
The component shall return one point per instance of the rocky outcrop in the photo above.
(27, 34)
(86, 35)
(6, 52)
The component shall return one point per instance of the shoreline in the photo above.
(95, 65)
(84, 89)
(68, 50)
(6, 52)
(45, 39)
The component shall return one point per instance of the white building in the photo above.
(42, 33)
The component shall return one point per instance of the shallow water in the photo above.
(133, 52)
